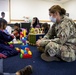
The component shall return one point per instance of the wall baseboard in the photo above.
(15, 20)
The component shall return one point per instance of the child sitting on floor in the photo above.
(5, 49)
(45, 27)
(17, 30)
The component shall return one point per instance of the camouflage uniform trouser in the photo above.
(65, 52)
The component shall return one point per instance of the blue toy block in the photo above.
(24, 46)
(25, 38)
(25, 52)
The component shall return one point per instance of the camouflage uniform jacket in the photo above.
(63, 32)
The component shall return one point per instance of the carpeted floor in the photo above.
(1, 66)
(12, 64)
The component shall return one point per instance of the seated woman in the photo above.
(5, 49)
(60, 41)
(35, 23)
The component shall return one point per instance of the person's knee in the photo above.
(68, 59)
(50, 50)
(49, 46)
(68, 56)
(46, 48)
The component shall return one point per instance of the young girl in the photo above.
(45, 27)
(5, 49)
(17, 29)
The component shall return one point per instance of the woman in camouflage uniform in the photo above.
(60, 41)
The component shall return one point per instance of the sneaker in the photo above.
(48, 58)
(25, 71)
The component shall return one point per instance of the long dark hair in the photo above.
(36, 22)
(3, 22)
(46, 27)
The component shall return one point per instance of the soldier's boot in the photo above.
(25, 71)
(48, 58)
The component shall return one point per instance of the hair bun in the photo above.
(63, 11)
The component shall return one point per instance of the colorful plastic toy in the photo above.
(23, 34)
(25, 56)
(29, 52)
(25, 51)
(24, 46)
(18, 49)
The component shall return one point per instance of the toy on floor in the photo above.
(36, 30)
(23, 38)
(15, 42)
(23, 34)
(11, 44)
(18, 49)
(24, 51)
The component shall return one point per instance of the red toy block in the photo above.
(27, 49)
(27, 56)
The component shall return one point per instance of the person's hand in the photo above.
(38, 42)
(32, 23)
(17, 35)
(14, 32)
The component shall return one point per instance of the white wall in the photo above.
(30, 8)
(4, 7)
(71, 8)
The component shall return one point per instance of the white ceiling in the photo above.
(58, 1)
